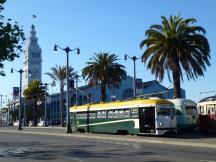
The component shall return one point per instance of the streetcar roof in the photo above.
(178, 102)
(208, 99)
(121, 104)
(210, 102)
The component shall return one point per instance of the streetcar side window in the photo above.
(101, 114)
(126, 113)
(212, 109)
(202, 111)
(92, 115)
(134, 113)
(208, 109)
(81, 116)
(110, 114)
(120, 113)
(115, 114)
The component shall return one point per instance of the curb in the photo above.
(119, 138)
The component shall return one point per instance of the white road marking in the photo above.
(77, 159)
(121, 143)
(136, 145)
(13, 151)
(72, 159)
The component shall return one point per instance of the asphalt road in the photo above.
(16, 147)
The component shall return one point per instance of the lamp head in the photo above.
(78, 51)
(125, 57)
(53, 83)
(55, 48)
(76, 76)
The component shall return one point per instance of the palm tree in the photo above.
(58, 74)
(103, 70)
(34, 93)
(174, 46)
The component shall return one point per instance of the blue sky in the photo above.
(115, 26)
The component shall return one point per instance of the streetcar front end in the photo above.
(165, 120)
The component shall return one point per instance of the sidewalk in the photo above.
(185, 139)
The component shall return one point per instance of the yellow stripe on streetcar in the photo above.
(117, 104)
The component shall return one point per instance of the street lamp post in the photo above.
(134, 58)
(45, 104)
(20, 97)
(1, 100)
(24, 114)
(67, 50)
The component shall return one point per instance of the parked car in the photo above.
(16, 124)
(31, 123)
(41, 123)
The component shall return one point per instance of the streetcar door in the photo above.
(147, 120)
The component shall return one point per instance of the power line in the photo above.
(207, 92)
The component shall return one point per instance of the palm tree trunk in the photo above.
(177, 87)
(176, 77)
(62, 104)
(35, 113)
(103, 91)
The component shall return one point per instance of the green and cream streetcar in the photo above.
(137, 116)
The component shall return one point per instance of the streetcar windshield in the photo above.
(191, 110)
(166, 111)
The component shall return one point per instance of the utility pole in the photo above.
(20, 96)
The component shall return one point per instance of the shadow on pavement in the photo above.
(42, 151)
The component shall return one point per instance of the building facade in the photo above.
(86, 94)
(33, 59)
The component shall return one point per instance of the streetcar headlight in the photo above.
(161, 124)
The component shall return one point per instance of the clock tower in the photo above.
(33, 59)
